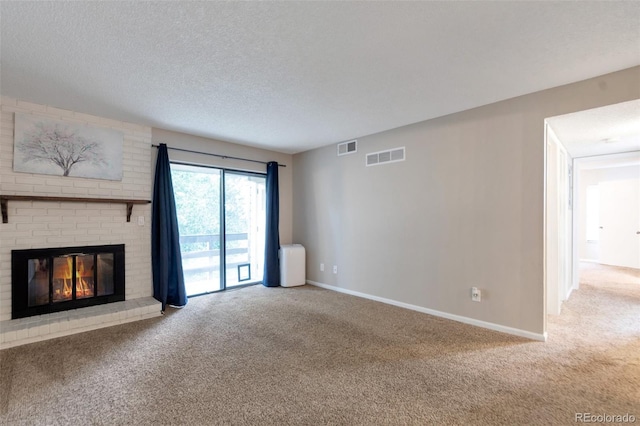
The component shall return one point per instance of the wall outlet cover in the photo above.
(476, 294)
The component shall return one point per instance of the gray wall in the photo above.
(196, 143)
(465, 209)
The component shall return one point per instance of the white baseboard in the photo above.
(589, 260)
(569, 293)
(489, 325)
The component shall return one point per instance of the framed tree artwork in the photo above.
(56, 147)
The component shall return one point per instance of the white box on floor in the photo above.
(292, 265)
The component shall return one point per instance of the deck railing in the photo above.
(210, 253)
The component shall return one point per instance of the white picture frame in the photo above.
(54, 147)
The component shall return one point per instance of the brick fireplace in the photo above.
(37, 224)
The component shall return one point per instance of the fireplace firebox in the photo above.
(58, 279)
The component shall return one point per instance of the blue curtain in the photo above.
(272, 244)
(168, 279)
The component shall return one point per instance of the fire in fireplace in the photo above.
(52, 280)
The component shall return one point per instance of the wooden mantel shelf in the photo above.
(6, 198)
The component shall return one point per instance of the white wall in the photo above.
(41, 224)
(589, 250)
(466, 208)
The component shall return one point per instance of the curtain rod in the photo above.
(224, 157)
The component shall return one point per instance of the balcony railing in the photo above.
(201, 256)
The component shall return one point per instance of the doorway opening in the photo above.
(608, 213)
(221, 219)
(592, 196)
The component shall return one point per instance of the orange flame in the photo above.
(83, 289)
(63, 274)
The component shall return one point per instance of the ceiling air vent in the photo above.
(382, 157)
(345, 148)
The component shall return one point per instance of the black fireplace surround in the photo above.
(58, 279)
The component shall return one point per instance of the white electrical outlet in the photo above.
(335, 269)
(476, 294)
(141, 220)
(322, 267)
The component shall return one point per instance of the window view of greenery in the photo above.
(198, 198)
(245, 224)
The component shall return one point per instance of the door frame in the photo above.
(558, 271)
(223, 227)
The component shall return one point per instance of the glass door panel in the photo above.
(245, 222)
(197, 195)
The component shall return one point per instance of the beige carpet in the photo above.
(307, 356)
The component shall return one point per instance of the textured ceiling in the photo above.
(291, 76)
(599, 131)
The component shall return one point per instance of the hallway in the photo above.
(604, 309)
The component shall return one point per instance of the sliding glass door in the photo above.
(197, 193)
(221, 217)
(245, 223)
